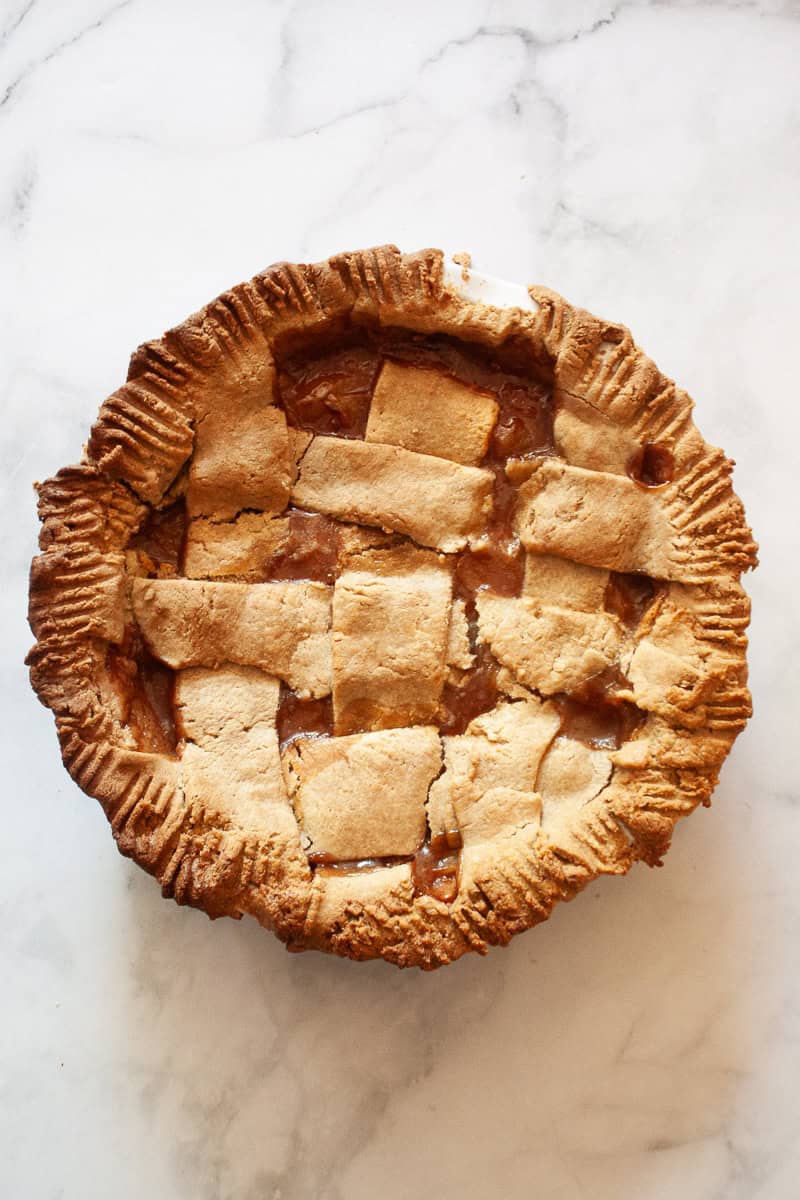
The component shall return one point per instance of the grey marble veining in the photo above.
(642, 158)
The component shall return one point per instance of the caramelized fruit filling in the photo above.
(496, 566)
(507, 366)
(524, 430)
(500, 567)
(296, 717)
(653, 466)
(476, 692)
(328, 864)
(596, 715)
(146, 689)
(311, 550)
(435, 866)
(160, 539)
(329, 391)
(629, 597)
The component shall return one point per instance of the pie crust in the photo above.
(388, 617)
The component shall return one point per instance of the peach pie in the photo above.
(389, 616)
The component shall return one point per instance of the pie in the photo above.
(390, 617)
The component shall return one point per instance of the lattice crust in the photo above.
(252, 470)
(436, 502)
(324, 840)
(240, 549)
(588, 438)
(606, 520)
(570, 776)
(228, 719)
(500, 750)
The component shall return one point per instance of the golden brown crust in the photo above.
(207, 856)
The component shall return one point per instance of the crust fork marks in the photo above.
(601, 367)
(712, 536)
(76, 589)
(391, 280)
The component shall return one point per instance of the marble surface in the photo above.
(642, 158)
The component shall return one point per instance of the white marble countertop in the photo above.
(643, 159)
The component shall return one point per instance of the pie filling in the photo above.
(628, 596)
(464, 429)
(311, 549)
(146, 688)
(160, 539)
(298, 717)
(595, 714)
(434, 867)
(652, 466)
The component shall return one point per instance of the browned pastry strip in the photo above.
(609, 521)
(334, 783)
(436, 502)
(548, 649)
(391, 616)
(283, 628)
(431, 413)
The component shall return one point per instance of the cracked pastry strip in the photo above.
(549, 649)
(570, 775)
(458, 654)
(500, 750)
(391, 611)
(244, 547)
(499, 812)
(587, 438)
(436, 502)
(257, 547)
(603, 520)
(432, 413)
(231, 760)
(284, 628)
(335, 785)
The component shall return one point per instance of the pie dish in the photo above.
(391, 616)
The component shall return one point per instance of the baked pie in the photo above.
(389, 616)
